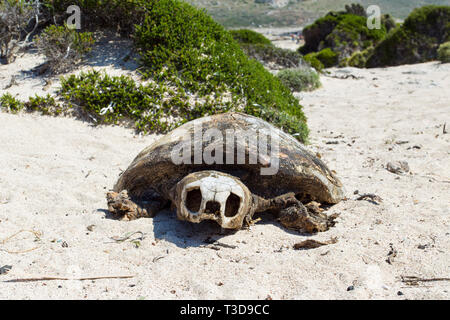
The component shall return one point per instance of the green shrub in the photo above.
(45, 105)
(444, 52)
(354, 27)
(283, 58)
(155, 107)
(359, 59)
(11, 104)
(432, 21)
(108, 99)
(344, 33)
(246, 36)
(300, 79)
(416, 40)
(118, 15)
(258, 47)
(313, 61)
(316, 33)
(184, 49)
(337, 27)
(63, 47)
(327, 57)
(402, 47)
(184, 45)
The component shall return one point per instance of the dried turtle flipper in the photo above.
(228, 193)
(292, 214)
(124, 208)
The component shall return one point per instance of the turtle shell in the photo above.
(154, 169)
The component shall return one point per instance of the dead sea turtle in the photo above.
(226, 168)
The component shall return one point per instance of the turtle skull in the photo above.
(212, 195)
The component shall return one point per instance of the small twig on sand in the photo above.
(217, 245)
(313, 244)
(158, 258)
(412, 280)
(128, 236)
(224, 245)
(213, 244)
(373, 198)
(62, 278)
(434, 179)
(343, 77)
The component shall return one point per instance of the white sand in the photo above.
(54, 173)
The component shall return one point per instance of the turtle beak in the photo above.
(212, 195)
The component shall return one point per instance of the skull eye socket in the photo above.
(193, 200)
(232, 205)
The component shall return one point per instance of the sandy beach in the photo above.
(55, 172)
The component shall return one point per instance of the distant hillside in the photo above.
(280, 13)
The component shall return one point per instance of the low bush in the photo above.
(276, 58)
(336, 28)
(327, 57)
(10, 104)
(359, 59)
(15, 17)
(313, 61)
(63, 47)
(246, 36)
(154, 107)
(417, 40)
(186, 55)
(444, 52)
(432, 21)
(108, 99)
(185, 46)
(258, 47)
(300, 79)
(342, 34)
(45, 105)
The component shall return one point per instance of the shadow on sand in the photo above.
(185, 234)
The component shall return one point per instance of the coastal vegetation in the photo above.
(190, 64)
(416, 40)
(343, 39)
(300, 79)
(334, 38)
(258, 47)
